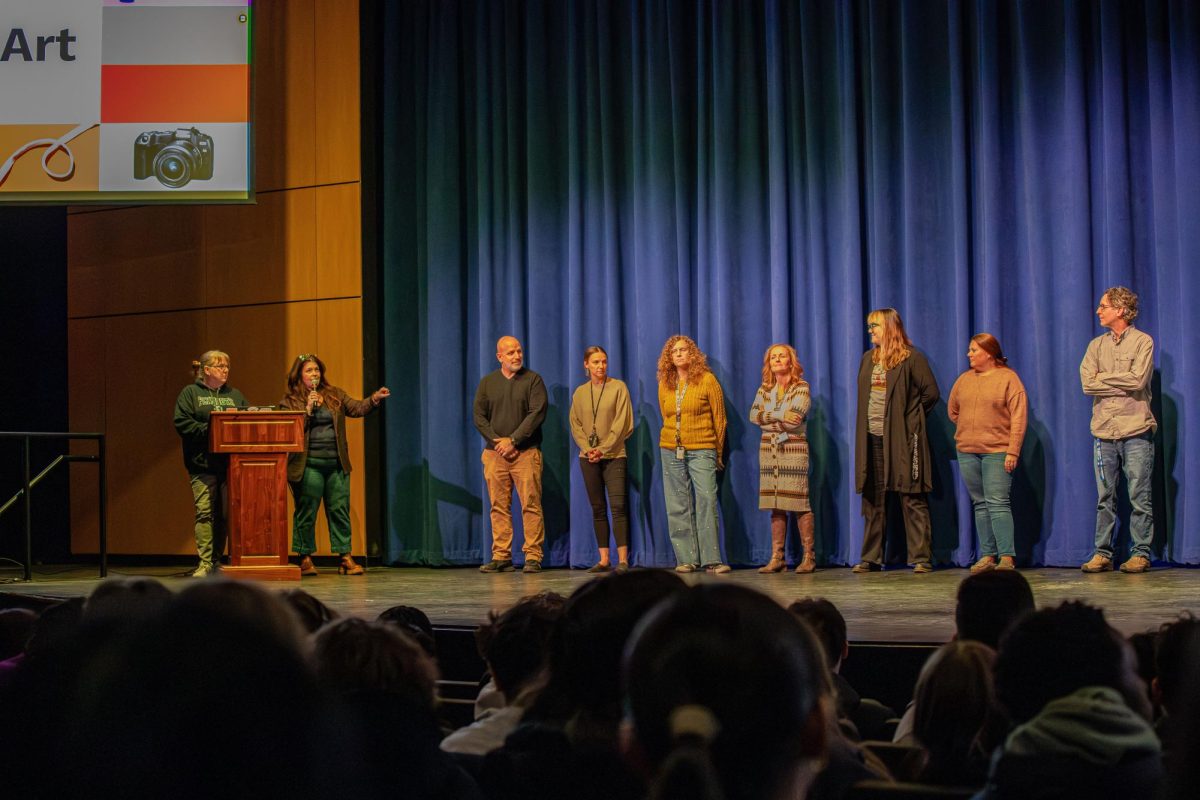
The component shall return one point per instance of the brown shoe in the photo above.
(307, 567)
(1007, 562)
(1136, 564)
(984, 564)
(922, 568)
(1098, 563)
(349, 566)
(776, 564)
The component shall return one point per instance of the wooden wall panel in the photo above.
(339, 241)
(264, 253)
(285, 70)
(337, 91)
(263, 340)
(86, 411)
(134, 260)
(150, 502)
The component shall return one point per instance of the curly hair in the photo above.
(299, 392)
(768, 377)
(667, 374)
(1121, 298)
(894, 344)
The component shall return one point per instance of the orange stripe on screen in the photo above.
(182, 93)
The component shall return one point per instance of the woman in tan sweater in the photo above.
(691, 444)
(987, 404)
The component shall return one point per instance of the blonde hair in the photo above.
(894, 344)
(797, 373)
(206, 360)
(667, 374)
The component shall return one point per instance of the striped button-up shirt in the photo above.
(1116, 374)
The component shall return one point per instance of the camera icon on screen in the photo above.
(174, 157)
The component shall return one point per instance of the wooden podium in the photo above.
(258, 443)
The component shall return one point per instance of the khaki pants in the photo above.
(525, 475)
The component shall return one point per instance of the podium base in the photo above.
(272, 572)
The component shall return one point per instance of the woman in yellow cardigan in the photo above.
(691, 444)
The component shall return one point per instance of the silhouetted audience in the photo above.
(312, 613)
(514, 646)
(862, 718)
(414, 622)
(725, 697)
(1081, 718)
(956, 720)
(1177, 641)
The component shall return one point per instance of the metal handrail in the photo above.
(28, 483)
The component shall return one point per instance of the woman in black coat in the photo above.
(896, 389)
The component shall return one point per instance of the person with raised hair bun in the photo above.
(321, 472)
(725, 692)
(780, 406)
(209, 391)
(896, 391)
(988, 408)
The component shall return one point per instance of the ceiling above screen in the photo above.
(125, 101)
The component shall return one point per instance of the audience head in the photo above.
(16, 626)
(124, 600)
(353, 655)
(1177, 641)
(514, 644)
(1054, 652)
(584, 665)
(724, 691)
(954, 707)
(311, 612)
(989, 602)
(828, 624)
(414, 622)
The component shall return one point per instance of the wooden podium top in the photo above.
(256, 432)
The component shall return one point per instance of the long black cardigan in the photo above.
(912, 392)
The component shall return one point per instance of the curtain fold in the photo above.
(586, 172)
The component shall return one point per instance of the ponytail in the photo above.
(688, 772)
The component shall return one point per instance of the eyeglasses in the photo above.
(1107, 307)
(873, 325)
(219, 366)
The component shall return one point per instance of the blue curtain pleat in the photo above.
(587, 172)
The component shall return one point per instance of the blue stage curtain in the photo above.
(746, 172)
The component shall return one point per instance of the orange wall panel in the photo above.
(285, 70)
(339, 241)
(86, 410)
(337, 91)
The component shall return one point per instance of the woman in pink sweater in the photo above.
(987, 404)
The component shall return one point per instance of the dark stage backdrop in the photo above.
(611, 173)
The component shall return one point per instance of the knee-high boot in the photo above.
(809, 541)
(778, 540)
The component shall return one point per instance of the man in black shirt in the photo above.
(510, 406)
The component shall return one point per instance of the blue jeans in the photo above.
(989, 486)
(1135, 457)
(692, 526)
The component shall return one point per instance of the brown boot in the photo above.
(307, 567)
(778, 563)
(808, 540)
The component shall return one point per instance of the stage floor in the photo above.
(892, 606)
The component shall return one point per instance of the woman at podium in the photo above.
(208, 393)
(322, 471)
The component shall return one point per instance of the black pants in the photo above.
(608, 473)
(914, 506)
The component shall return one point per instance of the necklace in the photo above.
(593, 439)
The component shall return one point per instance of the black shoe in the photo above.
(866, 566)
(601, 568)
(622, 566)
(497, 566)
(532, 565)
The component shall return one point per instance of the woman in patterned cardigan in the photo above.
(779, 409)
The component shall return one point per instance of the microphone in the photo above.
(313, 383)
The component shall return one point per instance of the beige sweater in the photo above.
(989, 410)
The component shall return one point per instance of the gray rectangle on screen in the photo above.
(167, 35)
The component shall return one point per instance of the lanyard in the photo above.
(680, 393)
(594, 440)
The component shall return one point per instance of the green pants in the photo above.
(323, 480)
(208, 491)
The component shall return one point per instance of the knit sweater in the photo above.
(989, 409)
(702, 418)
